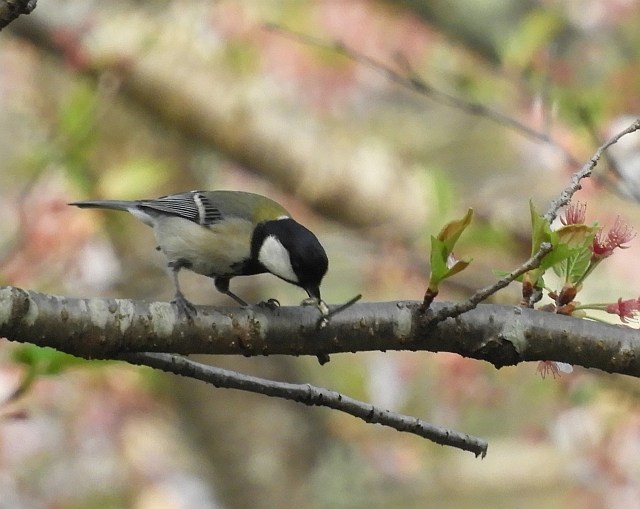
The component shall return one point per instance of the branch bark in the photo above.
(501, 335)
(11, 9)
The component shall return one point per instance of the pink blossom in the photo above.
(617, 236)
(625, 309)
(575, 214)
(620, 234)
(547, 368)
(554, 368)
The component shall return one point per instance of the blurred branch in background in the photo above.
(468, 23)
(407, 77)
(218, 104)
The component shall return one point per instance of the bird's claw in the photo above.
(185, 308)
(271, 304)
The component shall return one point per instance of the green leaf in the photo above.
(443, 263)
(578, 240)
(438, 262)
(541, 233)
(540, 230)
(578, 265)
(459, 266)
(44, 360)
(451, 232)
(558, 255)
(576, 235)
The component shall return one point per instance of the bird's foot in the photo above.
(317, 303)
(271, 304)
(185, 308)
(321, 306)
(323, 321)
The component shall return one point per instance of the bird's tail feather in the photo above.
(105, 204)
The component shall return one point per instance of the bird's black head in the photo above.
(290, 251)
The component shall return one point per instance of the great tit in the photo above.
(223, 234)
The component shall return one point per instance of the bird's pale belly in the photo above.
(216, 250)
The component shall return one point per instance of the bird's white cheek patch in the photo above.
(276, 259)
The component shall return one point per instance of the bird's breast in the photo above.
(220, 249)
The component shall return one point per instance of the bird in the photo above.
(224, 234)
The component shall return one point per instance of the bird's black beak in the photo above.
(313, 291)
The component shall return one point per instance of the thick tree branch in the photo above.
(11, 9)
(453, 310)
(501, 335)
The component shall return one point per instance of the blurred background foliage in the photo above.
(129, 99)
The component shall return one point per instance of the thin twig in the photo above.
(584, 172)
(323, 321)
(414, 82)
(587, 120)
(309, 395)
(533, 262)
(613, 178)
(484, 293)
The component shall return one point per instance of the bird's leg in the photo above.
(222, 285)
(185, 308)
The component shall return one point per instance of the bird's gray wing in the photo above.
(194, 206)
